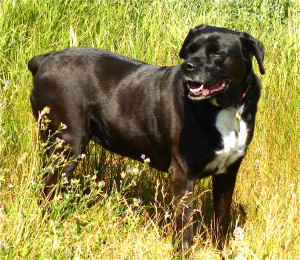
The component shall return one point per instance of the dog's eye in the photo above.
(194, 48)
(214, 54)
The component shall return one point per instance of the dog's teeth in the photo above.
(201, 87)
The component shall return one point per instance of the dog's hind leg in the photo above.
(60, 162)
(64, 149)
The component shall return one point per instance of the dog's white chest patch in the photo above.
(234, 135)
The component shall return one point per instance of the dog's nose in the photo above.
(189, 66)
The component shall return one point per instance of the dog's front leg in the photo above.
(183, 207)
(223, 187)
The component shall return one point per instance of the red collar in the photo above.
(245, 93)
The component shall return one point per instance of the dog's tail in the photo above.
(34, 63)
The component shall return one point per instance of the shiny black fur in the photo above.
(133, 108)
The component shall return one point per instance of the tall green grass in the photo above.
(112, 221)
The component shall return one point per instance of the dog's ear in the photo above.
(255, 48)
(184, 49)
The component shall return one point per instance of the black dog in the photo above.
(192, 120)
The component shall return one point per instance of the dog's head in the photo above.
(219, 61)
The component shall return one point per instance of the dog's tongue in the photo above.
(205, 92)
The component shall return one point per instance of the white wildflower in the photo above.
(238, 234)
(101, 184)
(135, 171)
(82, 156)
(46, 110)
(63, 126)
(55, 244)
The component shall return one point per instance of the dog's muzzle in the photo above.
(198, 89)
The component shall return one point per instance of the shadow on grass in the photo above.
(135, 181)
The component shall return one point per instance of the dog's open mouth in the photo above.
(201, 91)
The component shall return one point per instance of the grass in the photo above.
(111, 221)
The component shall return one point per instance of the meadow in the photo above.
(125, 212)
